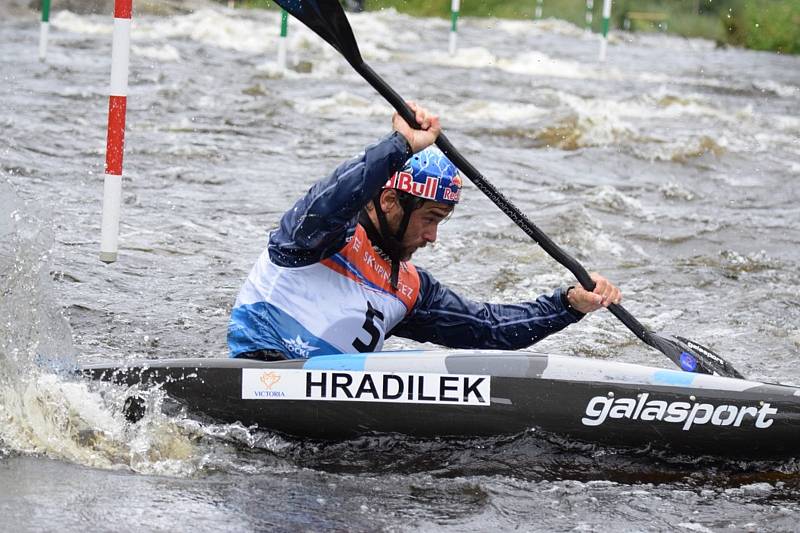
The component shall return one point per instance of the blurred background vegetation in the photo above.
(757, 24)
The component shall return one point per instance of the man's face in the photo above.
(422, 226)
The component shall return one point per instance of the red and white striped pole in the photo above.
(115, 143)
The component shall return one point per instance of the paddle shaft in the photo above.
(505, 205)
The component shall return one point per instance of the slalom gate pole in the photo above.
(115, 142)
(282, 40)
(231, 4)
(455, 6)
(589, 15)
(44, 30)
(606, 18)
(539, 8)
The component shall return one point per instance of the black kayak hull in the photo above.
(483, 393)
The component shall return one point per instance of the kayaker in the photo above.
(336, 276)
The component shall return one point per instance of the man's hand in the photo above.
(422, 138)
(604, 294)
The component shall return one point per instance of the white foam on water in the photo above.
(752, 489)
(343, 102)
(663, 103)
(610, 199)
(381, 33)
(700, 81)
(213, 27)
(465, 57)
(514, 28)
(44, 408)
(786, 123)
(29, 323)
(260, 35)
(547, 25)
(682, 148)
(69, 21)
(45, 414)
(164, 53)
(398, 22)
(492, 112)
(535, 63)
(780, 89)
(677, 191)
(595, 122)
(216, 27)
(586, 235)
(767, 142)
(317, 69)
(694, 526)
(529, 63)
(647, 125)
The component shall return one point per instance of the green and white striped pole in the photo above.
(44, 30)
(282, 40)
(606, 18)
(539, 7)
(455, 5)
(589, 16)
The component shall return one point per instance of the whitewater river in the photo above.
(673, 169)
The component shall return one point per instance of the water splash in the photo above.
(44, 408)
(30, 324)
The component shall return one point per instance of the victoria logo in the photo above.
(269, 379)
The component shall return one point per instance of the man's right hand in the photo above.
(605, 293)
(421, 138)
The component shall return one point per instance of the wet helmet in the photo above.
(428, 174)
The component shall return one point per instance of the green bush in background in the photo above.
(757, 24)
(764, 25)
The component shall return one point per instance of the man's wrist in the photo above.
(568, 303)
(409, 149)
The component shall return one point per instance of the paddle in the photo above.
(328, 20)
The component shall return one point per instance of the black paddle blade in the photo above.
(326, 18)
(710, 358)
(693, 357)
(688, 355)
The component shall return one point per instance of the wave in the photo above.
(343, 103)
(734, 264)
(44, 408)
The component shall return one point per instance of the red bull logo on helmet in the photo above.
(453, 192)
(404, 181)
(428, 174)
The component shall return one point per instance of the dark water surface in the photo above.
(673, 169)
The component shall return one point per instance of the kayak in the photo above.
(463, 393)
